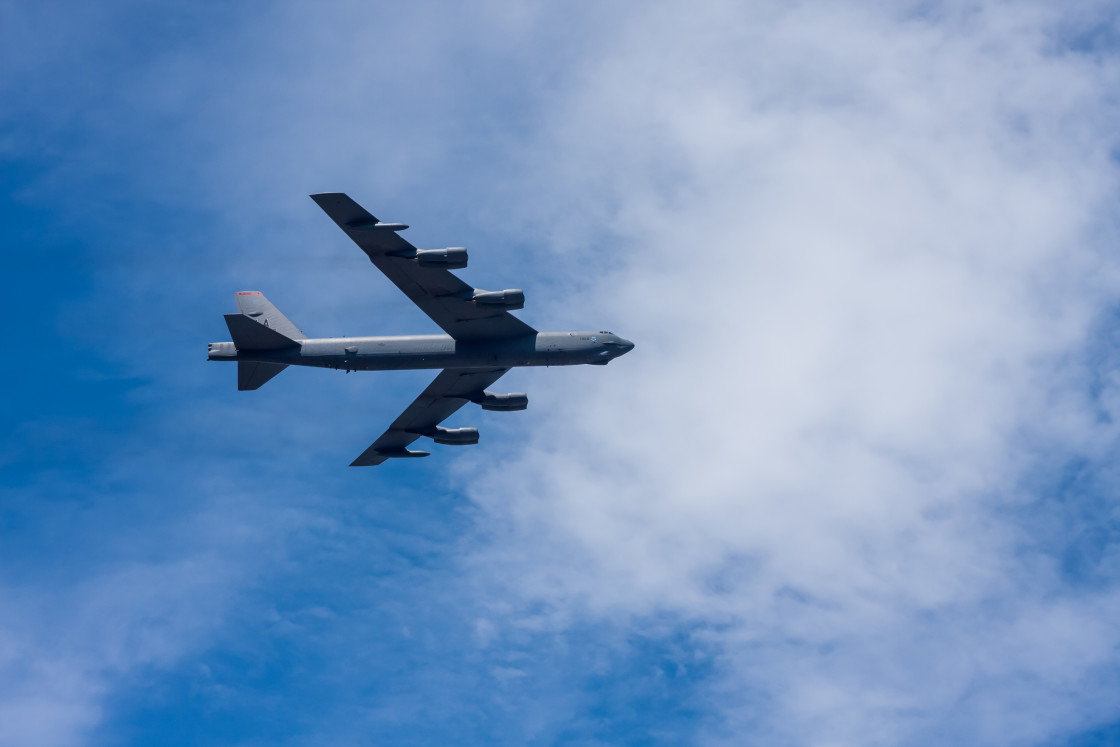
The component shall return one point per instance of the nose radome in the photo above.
(627, 346)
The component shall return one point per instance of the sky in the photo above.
(856, 484)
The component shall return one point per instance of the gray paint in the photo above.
(434, 351)
(483, 342)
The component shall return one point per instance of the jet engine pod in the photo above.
(507, 299)
(511, 401)
(451, 258)
(455, 436)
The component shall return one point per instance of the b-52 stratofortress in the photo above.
(483, 339)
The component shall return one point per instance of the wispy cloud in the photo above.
(852, 487)
(862, 252)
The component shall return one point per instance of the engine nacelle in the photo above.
(455, 436)
(451, 258)
(511, 401)
(507, 299)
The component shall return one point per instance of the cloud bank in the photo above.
(853, 486)
(866, 255)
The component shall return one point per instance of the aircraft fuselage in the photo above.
(435, 351)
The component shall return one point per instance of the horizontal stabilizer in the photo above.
(250, 335)
(253, 375)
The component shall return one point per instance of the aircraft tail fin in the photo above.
(260, 327)
(252, 375)
(252, 335)
(254, 305)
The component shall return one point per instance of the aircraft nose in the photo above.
(627, 346)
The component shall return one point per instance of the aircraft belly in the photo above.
(405, 361)
(463, 359)
(414, 357)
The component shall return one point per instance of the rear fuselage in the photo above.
(436, 351)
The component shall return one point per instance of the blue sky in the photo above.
(855, 485)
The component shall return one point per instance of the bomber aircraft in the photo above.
(483, 339)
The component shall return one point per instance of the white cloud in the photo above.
(861, 252)
(861, 249)
(65, 645)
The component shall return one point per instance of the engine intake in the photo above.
(513, 298)
(511, 401)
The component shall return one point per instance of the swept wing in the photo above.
(452, 389)
(439, 294)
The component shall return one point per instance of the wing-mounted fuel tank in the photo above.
(449, 436)
(451, 258)
(369, 223)
(510, 299)
(399, 452)
(455, 436)
(511, 401)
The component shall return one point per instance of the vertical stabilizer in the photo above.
(254, 305)
(250, 335)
